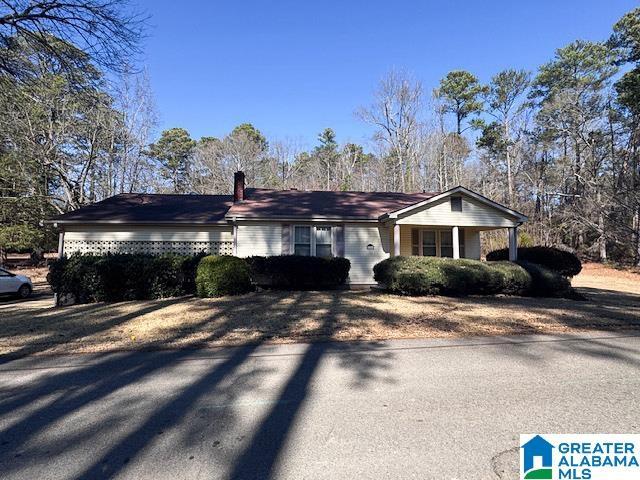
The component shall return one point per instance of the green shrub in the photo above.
(562, 261)
(223, 275)
(111, 278)
(433, 276)
(546, 282)
(297, 272)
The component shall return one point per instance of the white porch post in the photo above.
(234, 247)
(513, 244)
(61, 244)
(60, 255)
(456, 241)
(396, 240)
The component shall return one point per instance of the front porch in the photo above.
(449, 225)
(444, 241)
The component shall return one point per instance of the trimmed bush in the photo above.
(433, 276)
(546, 282)
(112, 278)
(223, 275)
(562, 261)
(297, 272)
(443, 276)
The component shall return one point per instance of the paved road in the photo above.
(392, 410)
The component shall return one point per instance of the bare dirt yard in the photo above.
(34, 326)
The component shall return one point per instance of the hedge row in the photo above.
(119, 277)
(110, 278)
(562, 261)
(295, 272)
(232, 275)
(138, 277)
(443, 276)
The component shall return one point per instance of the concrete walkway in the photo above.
(422, 409)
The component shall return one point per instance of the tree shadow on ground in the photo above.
(33, 414)
(50, 332)
(53, 399)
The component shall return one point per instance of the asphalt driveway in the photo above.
(400, 409)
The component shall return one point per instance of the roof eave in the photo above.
(134, 222)
(307, 218)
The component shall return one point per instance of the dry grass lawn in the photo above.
(33, 326)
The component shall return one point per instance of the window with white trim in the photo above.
(429, 247)
(323, 241)
(415, 242)
(302, 240)
(312, 240)
(438, 243)
(446, 243)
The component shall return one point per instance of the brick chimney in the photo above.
(238, 187)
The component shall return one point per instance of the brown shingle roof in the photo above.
(266, 203)
(260, 203)
(150, 208)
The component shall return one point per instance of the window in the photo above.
(429, 243)
(323, 241)
(302, 241)
(415, 242)
(446, 243)
(4, 273)
(456, 204)
(461, 242)
(308, 240)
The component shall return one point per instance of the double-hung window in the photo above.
(446, 243)
(429, 247)
(415, 242)
(323, 241)
(302, 240)
(312, 240)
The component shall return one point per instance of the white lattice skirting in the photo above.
(102, 247)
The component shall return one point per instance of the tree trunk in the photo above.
(602, 241)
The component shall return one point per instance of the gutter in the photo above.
(57, 223)
(303, 219)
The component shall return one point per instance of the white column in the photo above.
(513, 244)
(396, 240)
(61, 244)
(235, 240)
(456, 242)
(60, 255)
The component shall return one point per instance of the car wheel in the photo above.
(24, 291)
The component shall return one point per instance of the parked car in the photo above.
(13, 284)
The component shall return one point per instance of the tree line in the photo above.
(559, 144)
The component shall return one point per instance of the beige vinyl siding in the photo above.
(356, 238)
(261, 239)
(405, 240)
(473, 214)
(472, 243)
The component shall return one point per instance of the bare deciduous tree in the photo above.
(396, 115)
(106, 31)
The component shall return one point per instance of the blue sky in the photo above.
(293, 68)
